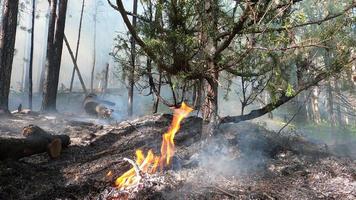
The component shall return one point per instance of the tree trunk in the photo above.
(30, 84)
(94, 51)
(106, 79)
(43, 55)
(155, 106)
(314, 104)
(338, 106)
(7, 44)
(77, 48)
(133, 63)
(54, 54)
(332, 118)
(26, 64)
(210, 106)
(197, 97)
(301, 103)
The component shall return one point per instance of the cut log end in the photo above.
(55, 148)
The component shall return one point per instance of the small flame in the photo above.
(151, 162)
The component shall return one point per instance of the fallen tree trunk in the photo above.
(36, 141)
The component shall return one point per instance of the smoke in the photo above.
(238, 150)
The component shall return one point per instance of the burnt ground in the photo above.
(245, 161)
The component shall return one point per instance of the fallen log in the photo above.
(36, 141)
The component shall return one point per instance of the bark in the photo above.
(77, 48)
(30, 85)
(210, 107)
(36, 141)
(7, 44)
(133, 63)
(54, 54)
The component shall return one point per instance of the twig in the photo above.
(133, 126)
(224, 191)
(295, 114)
(136, 168)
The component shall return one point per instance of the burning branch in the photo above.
(148, 164)
(136, 168)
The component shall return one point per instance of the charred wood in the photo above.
(36, 141)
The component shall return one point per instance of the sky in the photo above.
(109, 23)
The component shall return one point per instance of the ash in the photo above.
(244, 161)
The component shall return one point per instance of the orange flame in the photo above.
(150, 162)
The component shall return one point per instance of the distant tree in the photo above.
(30, 85)
(7, 45)
(95, 18)
(78, 43)
(54, 54)
(43, 55)
(133, 63)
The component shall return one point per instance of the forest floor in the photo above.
(244, 161)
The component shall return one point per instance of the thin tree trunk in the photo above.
(26, 63)
(315, 105)
(133, 63)
(7, 46)
(77, 48)
(43, 56)
(75, 65)
(169, 79)
(94, 53)
(210, 113)
(210, 106)
(198, 95)
(30, 84)
(54, 54)
(338, 107)
(211, 86)
(332, 119)
(106, 78)
(155, 106)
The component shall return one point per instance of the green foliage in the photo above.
(184, 35)
(290, 91)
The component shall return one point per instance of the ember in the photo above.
(150, 162)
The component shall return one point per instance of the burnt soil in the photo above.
(244, 161)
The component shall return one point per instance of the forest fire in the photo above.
(151, 162)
